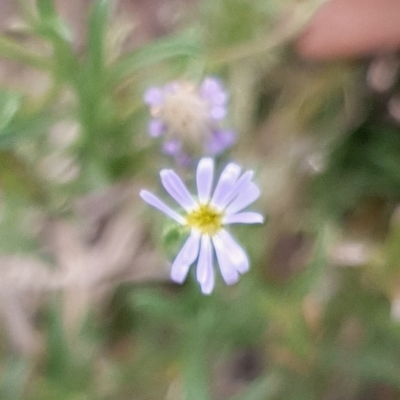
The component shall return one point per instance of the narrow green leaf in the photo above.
(97, 36)
(9, 105)
(20, 127)
(50, 25)
(57, 347)
(46, 8)
(15, 52)
(53, 28)
(185, 44)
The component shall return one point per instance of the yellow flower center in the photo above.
(206, 219)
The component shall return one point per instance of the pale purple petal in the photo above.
(171, 87)
(212, 90)
(204, 264)
(153, 96)
(183, 160)
(239, 186)
(218, 112)
(244, 218)
(177, 189)
(186, 257)
(235, 252)
(179, 270)
(249, 195)
(205, 270)
(204, 179)
(219, 141)
(172, 147)
(228, 270)
(154, 201)
(208, 286)
(156, 128)
(225, 183)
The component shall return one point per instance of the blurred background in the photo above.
(87, 310)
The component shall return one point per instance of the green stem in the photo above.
(196, 369)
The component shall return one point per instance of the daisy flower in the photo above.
(207, 216)
(188, 117)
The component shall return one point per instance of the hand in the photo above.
(352, 29)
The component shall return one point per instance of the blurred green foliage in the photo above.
(321, 332)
